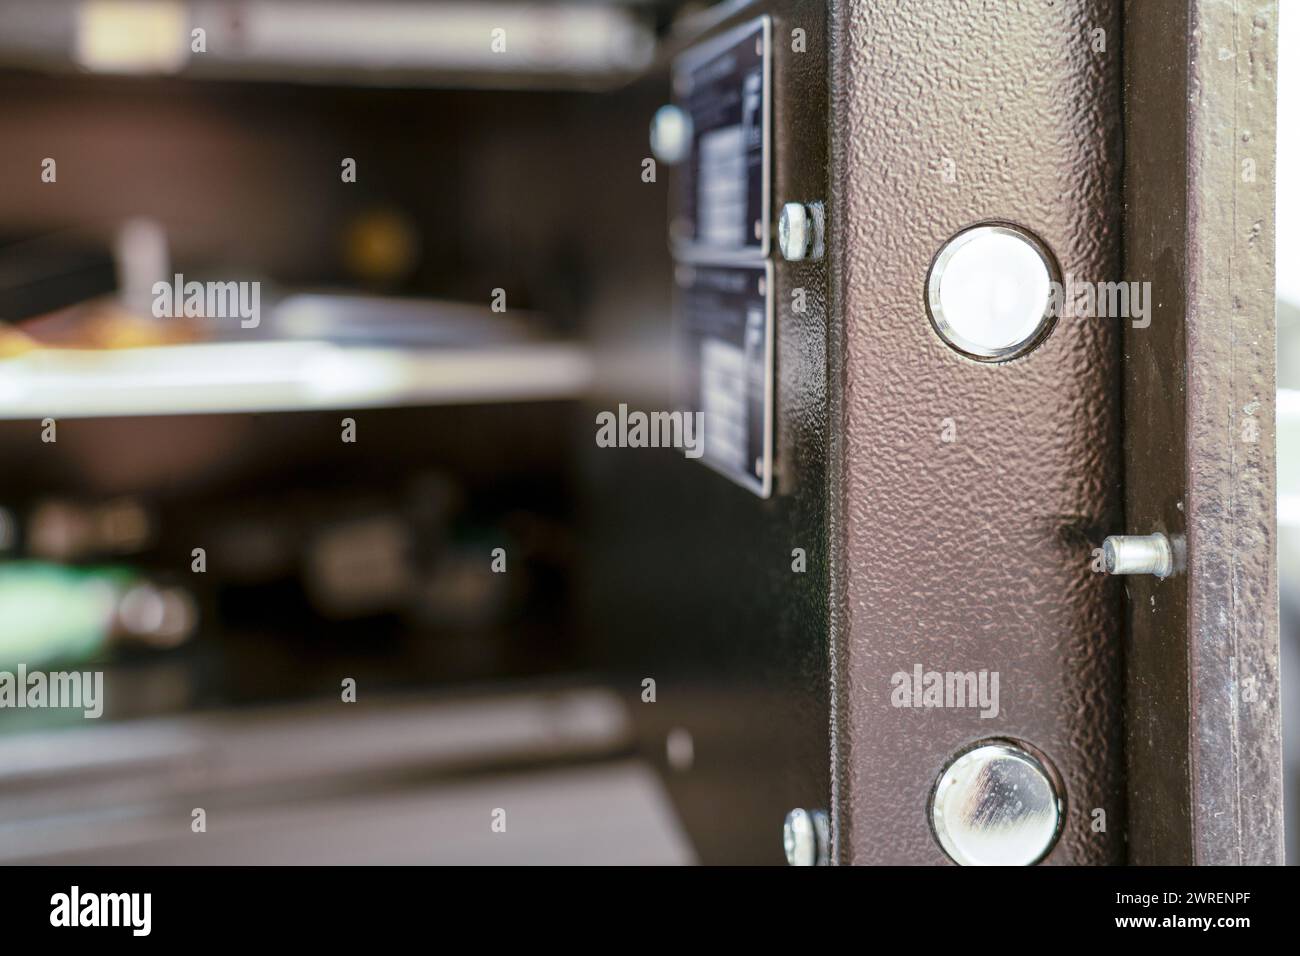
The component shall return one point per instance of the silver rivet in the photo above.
(1138, 554)
(680, 749)
(989, 292)
(806, 837)
(801, 231)
(996, 805)
(670, 134)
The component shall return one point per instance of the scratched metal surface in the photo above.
(1204, 757)
(1232, 523)
(973, 554)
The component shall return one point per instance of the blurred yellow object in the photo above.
(132, 36)
(122, 330)
(380, 246)
(14, 342)
(100, 324)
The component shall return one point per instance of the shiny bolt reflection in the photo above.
(996, 805)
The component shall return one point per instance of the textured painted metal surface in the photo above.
(1204, 757)
(976, 553)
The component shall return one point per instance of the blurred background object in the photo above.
(549, 43)
(55, 615)
(1288, 408)
(407, 190)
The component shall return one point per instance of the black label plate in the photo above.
(725, 354)
(720, 193)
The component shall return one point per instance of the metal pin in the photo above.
(1138, 554)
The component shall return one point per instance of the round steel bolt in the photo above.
(807, 837)
(989, 292)
(800, 231)
(1138, 554)
(670, 134)
(996, 805)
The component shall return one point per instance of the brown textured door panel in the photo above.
(976, 553)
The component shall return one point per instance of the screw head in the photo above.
(799, 838)
(793, 231)
(800, 230)
(671, 134)
(680, 747)
(806, 837)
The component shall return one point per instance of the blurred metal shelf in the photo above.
(605, 814)
(312, 351)
(269, 376)
(453, 43)
(389, 781)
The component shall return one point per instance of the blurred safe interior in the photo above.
(357, 577)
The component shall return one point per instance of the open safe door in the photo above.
(649, 432)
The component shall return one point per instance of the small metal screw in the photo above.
(801, 231)
(1138, 554)
(671, 134)
(680, 748)
(807, 837)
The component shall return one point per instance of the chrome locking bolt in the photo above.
(1138, 554)
(996, 804)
